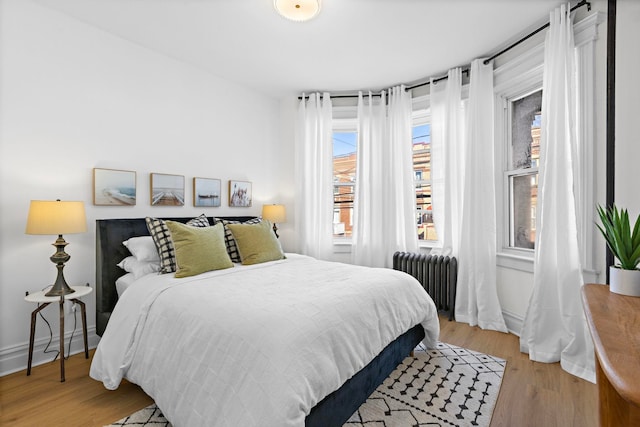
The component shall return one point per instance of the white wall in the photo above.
(72, 98)
(627, 191)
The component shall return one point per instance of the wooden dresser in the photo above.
(614, 322)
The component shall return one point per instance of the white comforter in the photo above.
(259, 345)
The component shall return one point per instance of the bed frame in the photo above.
(333, 410)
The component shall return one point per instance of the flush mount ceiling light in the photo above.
(297, 10)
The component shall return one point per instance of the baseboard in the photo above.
(513, 321)
(15, 358)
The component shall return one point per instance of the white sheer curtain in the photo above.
(477, 297)
(400, 207)
(447, 160)
(554, 327)
(314, 176)
(367, 234)
(384, 201)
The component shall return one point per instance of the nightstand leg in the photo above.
(61, 338)
(84, 327)
(32, 335)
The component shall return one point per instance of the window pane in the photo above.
(344, 156)
(344, 175)
(342, 210)
(422, 134)
(422, 152)
(525, 131)
(424, 214)
(524, 191)
(422, 170)
(525, 153)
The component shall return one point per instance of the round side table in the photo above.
(43, 301)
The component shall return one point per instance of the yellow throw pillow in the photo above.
(198, 249)
(256, 242)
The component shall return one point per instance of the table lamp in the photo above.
(57, 217)
(274, 213)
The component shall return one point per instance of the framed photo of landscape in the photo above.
(206, 192)
(239, 194)
(112, 187)
(167, 190)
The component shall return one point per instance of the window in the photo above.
(344, 177)
(421, 136)
(522, 169)
(520, 77)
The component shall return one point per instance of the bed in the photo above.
(327, 398)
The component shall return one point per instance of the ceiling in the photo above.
(351, 45)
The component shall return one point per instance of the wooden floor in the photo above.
(532, 394)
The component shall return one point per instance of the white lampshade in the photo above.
(274, 213)
(56, 217)
(297, 10)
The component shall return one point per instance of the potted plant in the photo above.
(624, 243)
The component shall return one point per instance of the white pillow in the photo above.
(139, 268)
(143, 248)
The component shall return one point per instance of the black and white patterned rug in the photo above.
(447, 386)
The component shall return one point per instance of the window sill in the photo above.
(520, 262)
(343, 246)
(525, 263)
(427, 244)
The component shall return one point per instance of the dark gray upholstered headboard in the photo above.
(110, 233)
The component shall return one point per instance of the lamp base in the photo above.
(60, 287)
(57, 291)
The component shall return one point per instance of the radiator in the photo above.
(438, 275)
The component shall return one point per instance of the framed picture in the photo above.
(112, 187)
(167, 190)
(206, 192)
(239, 194)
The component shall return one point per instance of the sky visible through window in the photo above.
(421, 134)
(344, 143)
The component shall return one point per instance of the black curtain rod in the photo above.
(533, 33)
(436, 80)
(486, 61)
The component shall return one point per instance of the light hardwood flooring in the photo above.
(532, 394)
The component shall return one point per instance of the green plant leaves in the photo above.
(623, 243)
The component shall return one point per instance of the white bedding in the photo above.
(256, 345)
(123, 282)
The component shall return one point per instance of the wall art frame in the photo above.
(207, 192)
(166, 189)
(114, 187)
(240, 194)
